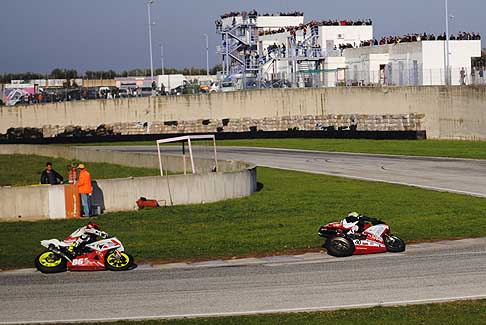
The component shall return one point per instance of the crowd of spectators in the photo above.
(255, 13)
(299, 49)
(285, 14)
(315, 23)
(409, 38)
(359, 22)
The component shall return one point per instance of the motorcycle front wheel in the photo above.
(49, 262)
(394, 244)
(118, 261)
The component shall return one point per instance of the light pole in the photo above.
(446, 63)
(162, 58)
(207, 54)
(149, 2)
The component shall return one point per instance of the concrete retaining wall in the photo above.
(27, 202)
(399, 122)
(145, 160)
(234, 180)
(450, 112)
(121, 194)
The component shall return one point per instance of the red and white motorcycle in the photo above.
(105, 254)
(375, 238)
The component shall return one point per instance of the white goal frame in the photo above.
(188, 139)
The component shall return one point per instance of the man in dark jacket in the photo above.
(50, 176)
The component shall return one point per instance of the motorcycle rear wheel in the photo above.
(340, 246)
(394, 244)
(120, 261)
(49, 262)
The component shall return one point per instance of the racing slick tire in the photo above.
(113, 262)
(339, 246)
(394, 244)
(49, 262)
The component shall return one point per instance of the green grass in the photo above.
(433, 148)
(18, 170)
(283, 216)
(460, 313)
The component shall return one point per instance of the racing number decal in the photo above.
(79, 261)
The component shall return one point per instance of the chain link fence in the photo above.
(388, 76)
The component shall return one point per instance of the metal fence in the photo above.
(389, 76)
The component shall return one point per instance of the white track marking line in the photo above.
(377, 155)
(258, 312)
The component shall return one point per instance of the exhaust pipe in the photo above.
(56, 250)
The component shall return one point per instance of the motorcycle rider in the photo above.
(354, 224)
(84, 236)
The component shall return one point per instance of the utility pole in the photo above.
(207, 54)
(162, 58)
(446, 63)
(150, 2)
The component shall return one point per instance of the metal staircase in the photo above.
(238, 47)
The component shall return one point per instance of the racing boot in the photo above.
(72, 250)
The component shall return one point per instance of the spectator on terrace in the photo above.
(463, 77)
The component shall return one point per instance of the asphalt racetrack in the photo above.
(425, 273)
(463, 176)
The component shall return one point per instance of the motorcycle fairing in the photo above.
(92, 261)
(106, 244)
(374, 241)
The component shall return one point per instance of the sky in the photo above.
(40, 35)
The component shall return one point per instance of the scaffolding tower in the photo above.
(238, 49)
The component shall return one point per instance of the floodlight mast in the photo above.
(447, 54)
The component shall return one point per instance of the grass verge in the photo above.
(462, 312)
(432, 148)
(283, 216)
(19, 170)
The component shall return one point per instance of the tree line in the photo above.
(102, 74)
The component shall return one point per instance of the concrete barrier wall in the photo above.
(145, 160)
(450, 112)
(234, 180)
(121, 194)
(27, 202)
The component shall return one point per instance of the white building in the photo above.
(416, 63)
(252, 46)
(333, 36)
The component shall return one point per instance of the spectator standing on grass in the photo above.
(85, 189)
(50, 176)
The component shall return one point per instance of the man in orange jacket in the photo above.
(85, 189)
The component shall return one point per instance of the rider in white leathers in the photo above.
(85, 235)
(354, 223)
